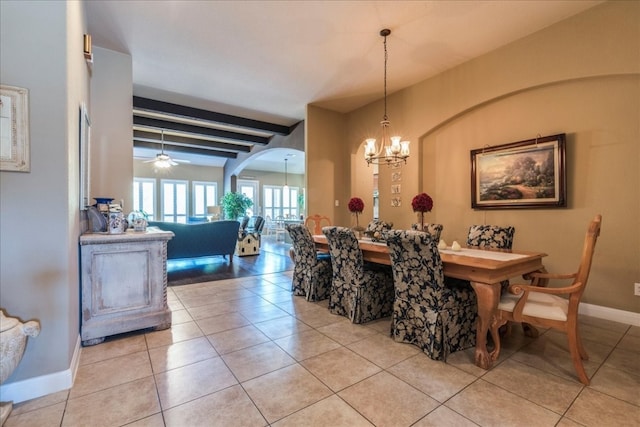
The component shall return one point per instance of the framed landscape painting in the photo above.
(524, 174)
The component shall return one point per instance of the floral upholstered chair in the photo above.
(492, 237)
(438, 318)
(359, 290)
(376, 229)
(434, 229)
(312, 271)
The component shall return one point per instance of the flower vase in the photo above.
(357, 230)
(421, 216)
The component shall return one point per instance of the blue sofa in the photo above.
(200, 239)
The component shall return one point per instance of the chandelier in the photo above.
(391, 150)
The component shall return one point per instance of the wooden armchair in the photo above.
(315, 223)
(555, 308)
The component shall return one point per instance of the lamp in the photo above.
(286, 187)
(391, 150)
(214, 212)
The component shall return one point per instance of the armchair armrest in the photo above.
(519, 288)
(541, 278)
(527, 289)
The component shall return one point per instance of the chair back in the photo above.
(255, 224)
(346, 257)
(491, 236)
(378, 226)
(417, 268)
(315, 223)
(304, 248)
(586, 259)
(244, 221)
(434, 229)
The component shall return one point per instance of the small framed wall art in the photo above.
(14, 129)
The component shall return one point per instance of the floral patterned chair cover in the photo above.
(438, 318)
(490, 236)
(434, 229)
(359, 290)
(379, 227)
(494, 237)
(312, 271)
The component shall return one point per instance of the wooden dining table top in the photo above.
(483, 265)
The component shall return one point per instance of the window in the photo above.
(250, 189)
(278, 202)
(144, 196)
(203, 194)
(174, 200)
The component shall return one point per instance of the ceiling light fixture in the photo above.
(286, 187)
(162, 160)
(391, 150)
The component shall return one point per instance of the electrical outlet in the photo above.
(636, 289)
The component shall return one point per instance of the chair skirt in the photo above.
(437, 333)
(370, 301)
(313, 283)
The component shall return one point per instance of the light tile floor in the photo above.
(245, 352)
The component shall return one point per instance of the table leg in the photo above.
(487, 296)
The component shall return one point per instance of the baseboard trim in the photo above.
(32, 388)
(626, 317)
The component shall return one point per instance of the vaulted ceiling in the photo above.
(267, 60)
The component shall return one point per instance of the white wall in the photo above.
(112, 126)
(41, 50)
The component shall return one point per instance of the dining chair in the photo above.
(315, 223)
(434, 229)
(377, 226)
(279, 228)
(491, 236)
(555, 308)
(438, 318)
(360, 291)
(312, 270)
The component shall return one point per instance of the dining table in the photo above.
(483, 268)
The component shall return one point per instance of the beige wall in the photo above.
(580, 77)
(328, 164)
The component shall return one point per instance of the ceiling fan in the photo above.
(163, 160)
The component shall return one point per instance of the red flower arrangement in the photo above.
(356, 205)
(422, 203)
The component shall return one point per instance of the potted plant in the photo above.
(235, 205)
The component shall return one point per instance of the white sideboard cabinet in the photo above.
(123, 283)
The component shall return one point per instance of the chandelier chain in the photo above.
(386, 57)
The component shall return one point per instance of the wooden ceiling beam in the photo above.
(189, 150)
(197, 113)
(154, 137)
(216, 133)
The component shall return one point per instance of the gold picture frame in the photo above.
(14, 129)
